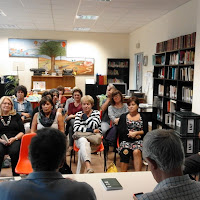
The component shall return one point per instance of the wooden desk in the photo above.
(55, 81)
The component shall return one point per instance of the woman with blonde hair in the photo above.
(87, 120)
(12, 127)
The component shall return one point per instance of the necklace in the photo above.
(8, 122)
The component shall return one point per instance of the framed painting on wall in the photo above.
(30, 47)
(80, 66)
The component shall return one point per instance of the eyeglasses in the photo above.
(7, 104)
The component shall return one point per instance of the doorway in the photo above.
(138, 71)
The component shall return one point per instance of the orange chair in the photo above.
(24, 165)
(76, 149)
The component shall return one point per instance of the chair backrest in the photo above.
(24, 165)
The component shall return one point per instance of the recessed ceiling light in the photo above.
(90, 17)
(103, 0)
(81, 29)
(2, 13)
(8, 26)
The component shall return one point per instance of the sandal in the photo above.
(89, 171)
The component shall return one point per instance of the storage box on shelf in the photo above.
(173, 77)
(187, 126)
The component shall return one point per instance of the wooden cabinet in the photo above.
(173, 84)
(118, 70)
(55, 81)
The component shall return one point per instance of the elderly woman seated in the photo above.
(87, 120)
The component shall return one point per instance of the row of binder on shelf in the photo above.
(186, 57)
(187, 74)
(171, 106)
(171, 91)
(187, 94)
(120, 64)
(182, 42)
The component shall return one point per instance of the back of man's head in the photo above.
(47, 150)
(165, 148)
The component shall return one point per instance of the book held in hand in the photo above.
(4, 137)
(111, 184)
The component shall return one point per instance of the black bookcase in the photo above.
(173, 83)
(118, 70)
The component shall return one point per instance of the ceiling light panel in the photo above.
(89, 17)
(81, 29)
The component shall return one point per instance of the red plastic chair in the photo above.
(24, 165)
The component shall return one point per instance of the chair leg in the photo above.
(105, 161)
(70, 165)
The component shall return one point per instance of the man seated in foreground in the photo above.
(47, 154)
(163, 150)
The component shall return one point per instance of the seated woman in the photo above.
(115, 110)
(87, 120)
(131, 133)
(73, 108)
(47, 116)
(22, 106)
(62, 99)
(12, 126)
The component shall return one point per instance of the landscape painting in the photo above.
(30, 47)
(80, 66)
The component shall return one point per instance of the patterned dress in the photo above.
(135, 143)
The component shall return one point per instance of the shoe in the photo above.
(89, 171)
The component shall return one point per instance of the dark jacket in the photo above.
(46, 186)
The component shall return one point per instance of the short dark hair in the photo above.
(46, 99)
(116, 92)
(22, 88)
(77, 90)
(54, 91)
(46, 93)
(47, 149)
(135, 99)
(61, 88)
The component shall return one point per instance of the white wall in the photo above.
(180, 21)
(99, 46)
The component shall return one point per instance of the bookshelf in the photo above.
(118, 71)
(173, 78)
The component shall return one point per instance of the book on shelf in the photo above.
(111, 184)
(170, 119)
(187, 94)
(173, 91)
(160, 90)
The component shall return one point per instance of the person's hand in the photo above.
(132, 134)
(25, 114)
(96, 131)
(137, 137)
(116, 121)
(134, 197)
(11, 140)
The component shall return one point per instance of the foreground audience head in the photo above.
(22, 89)
(165, 148)
(5, 100)
(47, 150)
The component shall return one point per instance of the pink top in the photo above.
(72, 110)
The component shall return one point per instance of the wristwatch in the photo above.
(16, 138)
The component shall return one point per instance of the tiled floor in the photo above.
(97, 164)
